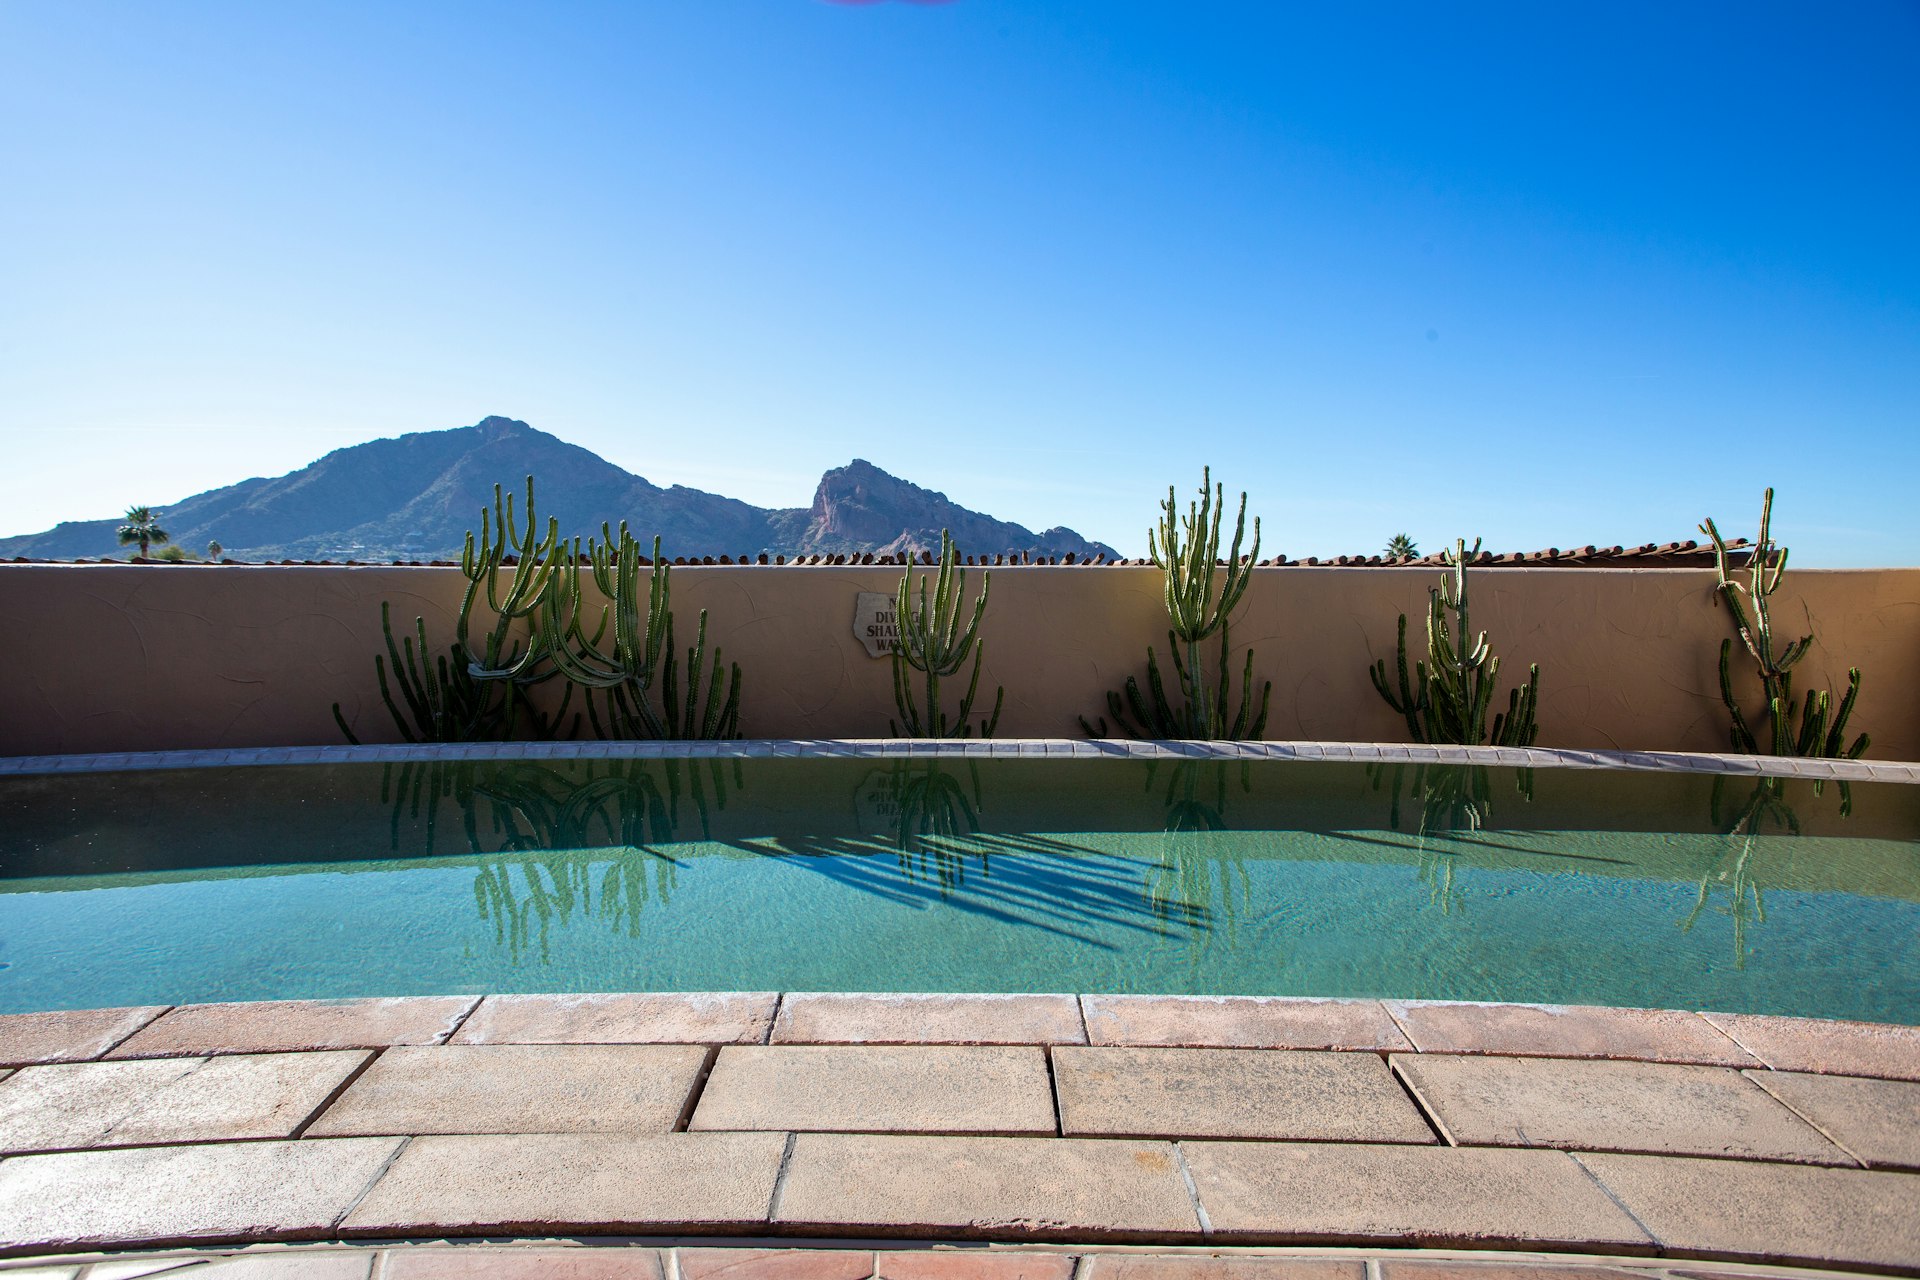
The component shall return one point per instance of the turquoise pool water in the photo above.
(1230, 877)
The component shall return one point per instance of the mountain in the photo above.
(415, 497)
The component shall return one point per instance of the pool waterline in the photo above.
(1180, 871)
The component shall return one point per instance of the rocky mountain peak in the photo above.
(415, 497)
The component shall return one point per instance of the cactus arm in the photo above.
(1200, 591)
(1451, 692)
(1743, 739)
(1153, 720)
(1258, 729)
(716, 708)
(961, 717)
(936, 634)
(1837, 735)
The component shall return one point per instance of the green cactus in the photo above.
(444, 703)
(1201, 593)
(478, 692)
(933, 643)
(935, 825)
(1447, 697)
(1753, 625)
(633, 689)
(502, 655)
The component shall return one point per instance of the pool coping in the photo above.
(992, 748)
(1680, 1220)
(785, 1258)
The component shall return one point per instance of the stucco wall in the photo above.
(141, 657)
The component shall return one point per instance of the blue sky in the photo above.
(1542, 274)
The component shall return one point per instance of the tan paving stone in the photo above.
(1233, 1093)
(135, 1268)
(1121, 1266)
(139, 1269)
(68, 1035)
(775, 1264)
(344, 1265)
(727, 1017)
(841, 1018)
(1503, 1270)
(505, 1088)
(579, 1183)
(1241, 1022)
(1875, 1121)
(285, 1026)
(245, 1096)
(1610, 1106)
(1566, 1031)
(1037, 1188)
(102, 1104)
(66, 1105)
(879, 1088)
(1769, 1212)
(971, 1264)
(1830, 1048)
(1317, 1193)
(478, 1262)
(142, 1195)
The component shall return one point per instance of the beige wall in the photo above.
(142, 657)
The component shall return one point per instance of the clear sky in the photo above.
(1550, 274)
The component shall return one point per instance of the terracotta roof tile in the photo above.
(1650, 555)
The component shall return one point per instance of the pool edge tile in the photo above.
(905, 1018)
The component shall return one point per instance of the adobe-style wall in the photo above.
(147, 657)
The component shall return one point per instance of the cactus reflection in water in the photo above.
(1194, 871)
(1753, 624)
(1456, 801)
(585, 835)
(1764, 812)
(936, 823)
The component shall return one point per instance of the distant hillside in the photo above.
(414, 498)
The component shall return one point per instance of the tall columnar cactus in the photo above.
(522, 623)
(478, 690)
(444, 703)
(1753, 624)
(933, 643)
(502, 654)
(1202, 591)
(633, 687)
(1446, 698)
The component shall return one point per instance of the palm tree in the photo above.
(1400, 546)
(143, 527)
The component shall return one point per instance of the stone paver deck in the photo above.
(1648, 1143)
(648, 1259)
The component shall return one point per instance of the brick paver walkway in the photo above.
(1016, 1119)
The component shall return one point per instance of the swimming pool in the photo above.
(1220, 876)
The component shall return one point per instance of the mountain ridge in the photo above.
(415, 496)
